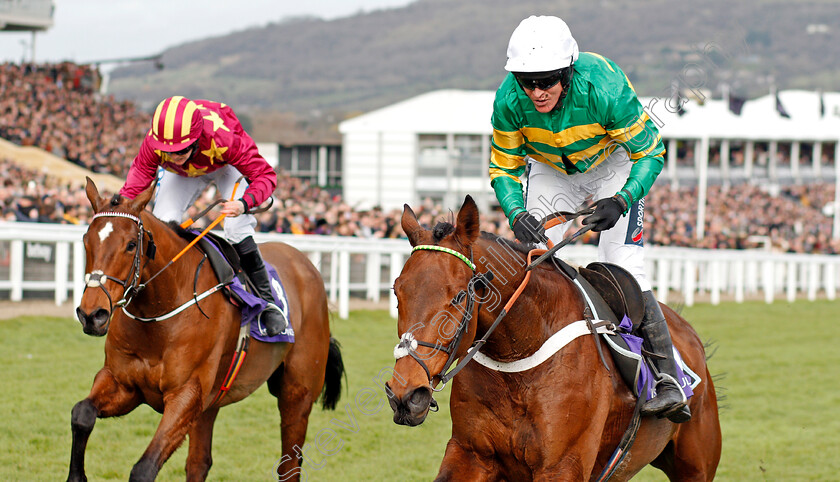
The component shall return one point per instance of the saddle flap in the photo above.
(222, 256)
(607, 289)
(220, 265)
(629, 289)
(621, 291)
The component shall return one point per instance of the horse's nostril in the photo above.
(100, 316)
(417, 397)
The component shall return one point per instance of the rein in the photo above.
(408, 343)
(95, 279)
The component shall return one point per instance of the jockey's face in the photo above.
(544, 100)
(181, 157)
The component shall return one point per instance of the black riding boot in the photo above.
(670, 400)
(249, 255)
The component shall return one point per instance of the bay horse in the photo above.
(560, 420)
(177, 365)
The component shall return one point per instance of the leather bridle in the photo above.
(408, 344)
(97, 278)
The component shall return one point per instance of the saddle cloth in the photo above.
(625, 347)
(250, 305)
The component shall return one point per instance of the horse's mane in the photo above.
(518, 247)
(174, 226)
(444, 229)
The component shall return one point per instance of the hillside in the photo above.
(323, 71)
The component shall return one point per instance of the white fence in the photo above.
(44, 258)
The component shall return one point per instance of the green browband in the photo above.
(446, 250)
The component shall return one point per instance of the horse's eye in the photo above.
(131, 246)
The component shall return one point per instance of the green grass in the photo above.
(779, 422)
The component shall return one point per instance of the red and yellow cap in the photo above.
(177, 123)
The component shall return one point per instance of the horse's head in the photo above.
(113, 250)
(437, 309)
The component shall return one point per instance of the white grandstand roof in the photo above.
(468, 112)
(440, 111)
(759, 119)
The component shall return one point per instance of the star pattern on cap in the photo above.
(215, 152)
(216, 120)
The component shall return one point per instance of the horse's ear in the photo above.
(93, 196)
(412, 227)
(139, 203)
(467, 228)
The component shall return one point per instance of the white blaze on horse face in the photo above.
(105, 231)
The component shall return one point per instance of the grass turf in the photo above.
(779, 416)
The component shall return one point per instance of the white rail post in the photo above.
(62, 269)
(373, 275)
(830, 274)
(689, 286)
(16, 269)
(662, 280)
(344, 285)
(739, 281)
(714, 282)
(78, 272)
(813, 280)
(768, 280)
(334, 275)
(315, 259)
(396, 268)
(791, 281)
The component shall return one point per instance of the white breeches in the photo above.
(550, 190)
(176, 193)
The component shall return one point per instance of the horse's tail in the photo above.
(333, 374)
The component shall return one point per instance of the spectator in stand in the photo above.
(54, 107)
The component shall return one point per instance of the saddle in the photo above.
(615, 296)
(237, 286)
(224, 261)
(618, 288)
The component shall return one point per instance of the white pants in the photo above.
(550, 190)
(176, 193)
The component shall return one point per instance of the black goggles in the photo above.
(184, 150)
(543, 82)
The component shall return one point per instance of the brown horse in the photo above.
(177, 365)
(560, 420)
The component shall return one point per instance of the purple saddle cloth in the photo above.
(254, 306)
(687, 379)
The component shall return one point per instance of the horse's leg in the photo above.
(463, 465)
(295, 397)
(200, 458)
(181, 407)
(107, 398)
(695, 452)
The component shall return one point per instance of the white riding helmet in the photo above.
(541, 44)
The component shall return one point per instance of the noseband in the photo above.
(97, 278)
(408, 343)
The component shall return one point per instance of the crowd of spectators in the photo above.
(740, 217)
(744, 216)
(57, 107)
(30, 196)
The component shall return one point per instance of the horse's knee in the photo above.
(83, 416)
(143, 471)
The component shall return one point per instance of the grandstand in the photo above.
(407, 152)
